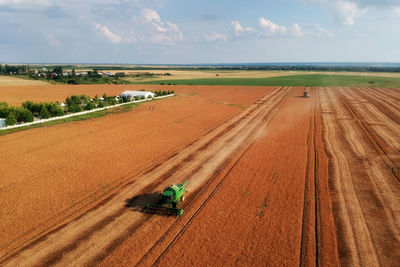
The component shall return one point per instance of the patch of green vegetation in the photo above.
(88, 116)
(314, 80)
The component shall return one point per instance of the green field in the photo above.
(314, 80)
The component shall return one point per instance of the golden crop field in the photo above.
(9, 80)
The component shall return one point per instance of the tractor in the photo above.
(169, 203)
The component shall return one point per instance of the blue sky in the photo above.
(188, 31)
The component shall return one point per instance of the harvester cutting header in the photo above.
(169, 203)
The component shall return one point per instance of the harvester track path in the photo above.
(381, 103)
(202, 197)
(90, 237)
(309, 231)
(372, 137)
(364, 190)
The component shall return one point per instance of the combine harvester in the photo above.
(169, 203)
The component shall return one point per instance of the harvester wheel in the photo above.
(182, 198)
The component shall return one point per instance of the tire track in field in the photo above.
(309, 230)
(365, 195)
(381, 104)
(49, 249)
(372, 137)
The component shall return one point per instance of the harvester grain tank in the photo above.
(169, 203)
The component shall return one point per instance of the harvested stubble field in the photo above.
(14, 81)
(275, 179)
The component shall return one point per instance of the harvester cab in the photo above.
(169, 203)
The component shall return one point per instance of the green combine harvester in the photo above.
(169, 203)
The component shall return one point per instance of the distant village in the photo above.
(44, 73)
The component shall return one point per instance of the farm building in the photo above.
(2, 123)
(132, 94)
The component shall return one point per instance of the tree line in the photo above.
(75, 103)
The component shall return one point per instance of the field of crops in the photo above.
(273, 177)
(313, 80)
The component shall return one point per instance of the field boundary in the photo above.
(81, 113)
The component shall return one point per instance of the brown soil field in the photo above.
(274, 179)
(63, 169)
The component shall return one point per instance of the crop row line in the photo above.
(371, 137)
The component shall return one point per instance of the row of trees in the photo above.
(159, 93)
(44, 110)
(15, 114)
(29, 110)
(13, 69)
(59, 75)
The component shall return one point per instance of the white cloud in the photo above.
(396, 11)
(213, 37)
(348, 11)
(112, 37)
(238, 29)
(163, 32)
(267, 28)
(271, 28)
(152, 17)
(53, 40)
(317, 31)
(345, 11)
(296, 30)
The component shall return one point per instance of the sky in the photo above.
(197, 32)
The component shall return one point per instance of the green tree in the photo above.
(4, 111)
(11, 119)
(101, 104)
(90, 106)
(3, 105)
(55, 109)
(75, 108)
(44, 113)
(28, 105)
(85, 99)
(76, 100)
(112, 101)
(25, 115)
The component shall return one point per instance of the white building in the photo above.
(132, 94)
(83, 73)
(2, 123)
